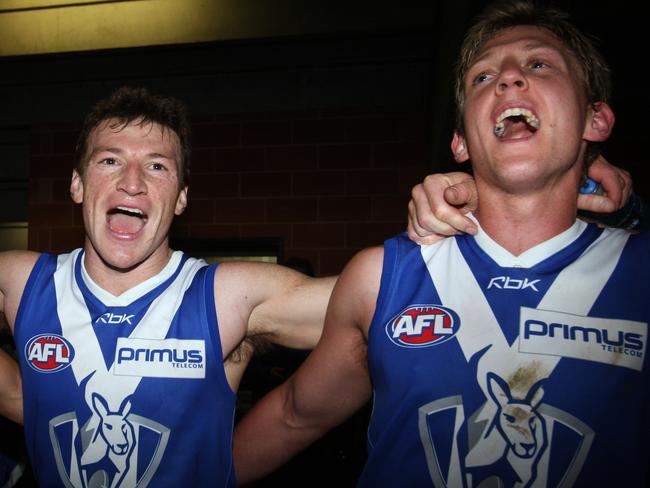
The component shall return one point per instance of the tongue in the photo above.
(516, 130)
(125, 224)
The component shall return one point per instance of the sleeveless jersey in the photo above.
(491, 370)
(125, 391)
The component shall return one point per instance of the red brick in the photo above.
(347, 156)
(301, 260)
(240, 159)
(416, 127)
(319, 183)
(216, 135)
(214, 231)
(215, 185)
(38, 240)
(50, 215)
(202, 161)
(66, 239)
(60, 189)
(266, 184)
(387, 209)
(40, 143)
(365, 234)
(292, 209)
(332, 261)
(266, 133)
(281, 231)
(318, 235)
(64, 142)
(41, 190)
(344, 209)
(199, 211)
(398, 155)
(236, 210)
(319, 131)
(372, 182)
(77, 215)
(292, 157)
(51, 166)
(377, 129)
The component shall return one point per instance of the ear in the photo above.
(459, 148)
(76, 187)
(181, 201)
(600, 122)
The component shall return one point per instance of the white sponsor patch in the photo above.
(610, 341)
(168, 358)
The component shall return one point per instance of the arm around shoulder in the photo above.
(329, 386)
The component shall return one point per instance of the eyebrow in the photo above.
(119, 151)
(530, 46)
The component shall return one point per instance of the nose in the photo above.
(132, 180)
(511, 77)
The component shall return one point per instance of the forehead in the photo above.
(521, 38)
(134, 136)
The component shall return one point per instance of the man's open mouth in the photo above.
(126, 220)
(516, 123)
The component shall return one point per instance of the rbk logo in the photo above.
(114, 318)
(507, 283)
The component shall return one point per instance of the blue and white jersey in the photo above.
(494, 370)
(124, 391)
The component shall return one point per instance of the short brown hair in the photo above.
(502, 15)
(128, 104)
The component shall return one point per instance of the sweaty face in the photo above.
(130, 193)
(525, 110)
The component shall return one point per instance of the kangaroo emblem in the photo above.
(521, 426)
(116, 434)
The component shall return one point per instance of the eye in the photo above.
(509, 418)
(158, 166)
(480, 78)
(108, 161)
(537, 64)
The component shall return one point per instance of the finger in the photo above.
(597, 203)
(463, 195)
(424, 223)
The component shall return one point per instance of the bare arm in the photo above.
(330, 385)
(439, 204)
(15, 267)
(11, 394)
(280, 304)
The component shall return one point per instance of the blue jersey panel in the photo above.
(526, 376)
(124, 392)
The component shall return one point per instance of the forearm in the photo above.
(11, 394)
(268, 437)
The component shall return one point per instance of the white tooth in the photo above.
(132, 210)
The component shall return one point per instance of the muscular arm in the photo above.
(329, 386)
(11, 395)
(15, 267)
(260, 299)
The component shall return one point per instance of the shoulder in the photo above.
(15, 267)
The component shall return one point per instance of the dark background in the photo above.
(310, 141)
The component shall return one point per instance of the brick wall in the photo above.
(326, 183)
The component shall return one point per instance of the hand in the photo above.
(438, 206)
(616, 182)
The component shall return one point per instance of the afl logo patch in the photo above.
(47, 353)
(423, 326)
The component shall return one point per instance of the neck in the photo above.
(520, 222)
(116, 280)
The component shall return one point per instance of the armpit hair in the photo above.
(253, 345)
